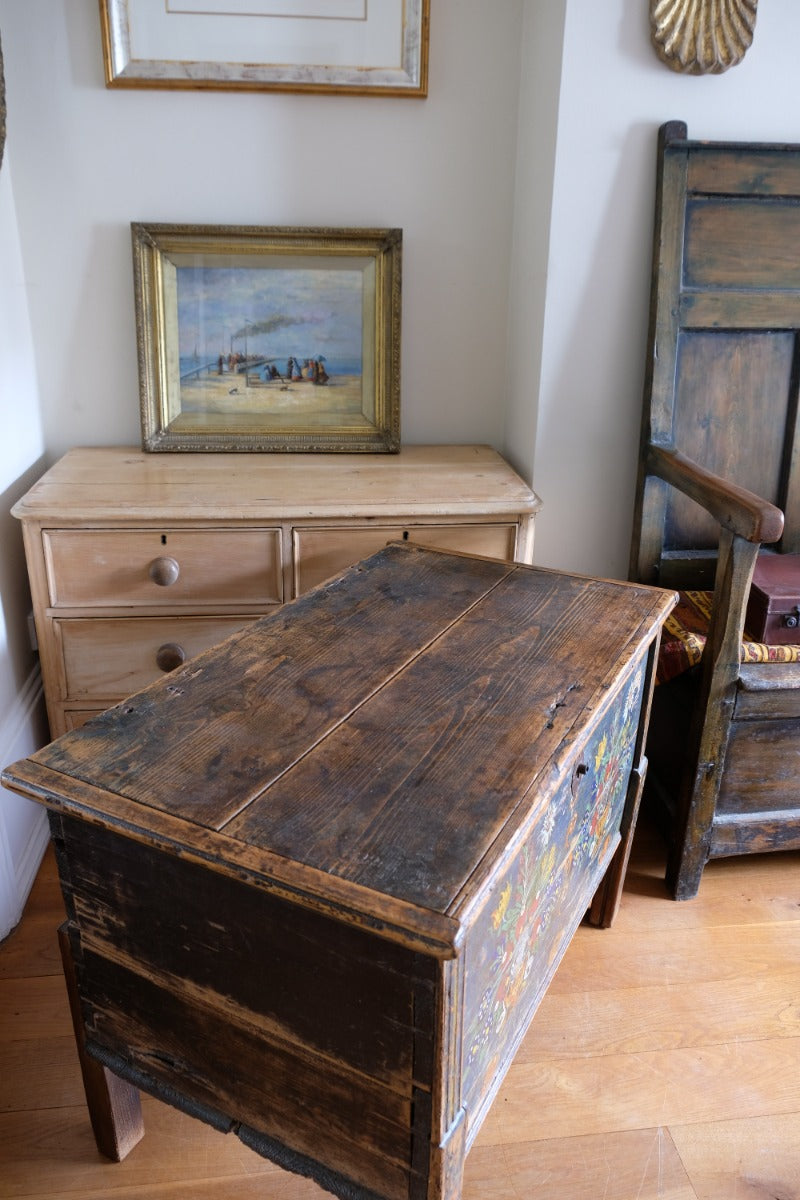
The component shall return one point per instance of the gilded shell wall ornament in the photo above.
(702, 37)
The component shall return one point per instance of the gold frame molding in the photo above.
(247, 29)
(268, 338)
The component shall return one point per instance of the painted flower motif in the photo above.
(523, 935)
(500, 911)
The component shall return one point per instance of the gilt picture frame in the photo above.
(364, 47)
(268, 339)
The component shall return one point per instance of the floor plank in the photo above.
(33, 1008)
(626, 960)
(747, 891)
(747, 1159)
(53, 1154)
(665, 1017)
(642, 1163)
(570, 1096)
(39, 1074)
(33, 951)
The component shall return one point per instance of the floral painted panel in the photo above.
(538, 903)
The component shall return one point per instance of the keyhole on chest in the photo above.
(581, 770)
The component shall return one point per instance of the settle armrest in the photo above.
(736, 509)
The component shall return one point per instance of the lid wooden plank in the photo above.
(409, 795)
(418, 928)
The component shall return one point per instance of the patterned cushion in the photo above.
(684, 637)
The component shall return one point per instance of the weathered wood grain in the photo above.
(473, 721)
(114, 1106)
(323, 988)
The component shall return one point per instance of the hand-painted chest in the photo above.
(318, 879)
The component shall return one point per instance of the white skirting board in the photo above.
(24, 830)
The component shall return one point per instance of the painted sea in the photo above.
(196, 365)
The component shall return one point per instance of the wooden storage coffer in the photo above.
(319, 878)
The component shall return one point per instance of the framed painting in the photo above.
(351, 46)
(268, 339)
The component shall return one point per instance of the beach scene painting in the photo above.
(287, 347)
(276, 342)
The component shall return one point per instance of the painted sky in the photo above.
(300, 311)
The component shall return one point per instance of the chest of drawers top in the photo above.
(123, 484)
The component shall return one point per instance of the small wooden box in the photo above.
(773, 609)
(319, 878)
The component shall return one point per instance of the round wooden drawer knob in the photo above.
(169, 656)
(164, 571)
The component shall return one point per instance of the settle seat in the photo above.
(686, 632)
(719, 480)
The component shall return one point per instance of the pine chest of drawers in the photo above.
(139, 561)
(319, 878)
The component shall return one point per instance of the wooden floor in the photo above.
(663, 1063)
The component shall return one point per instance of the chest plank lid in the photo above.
(373, 743)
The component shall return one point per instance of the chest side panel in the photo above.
(305, 1029)
(539, 899)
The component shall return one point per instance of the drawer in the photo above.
(102, 568)
(320, 553)
(111, 657)
(746, 787)
(74, 718)
(768, 691)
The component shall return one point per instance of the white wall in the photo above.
(90, 160)
(22, 726)
(540, 84)
(614, 94)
